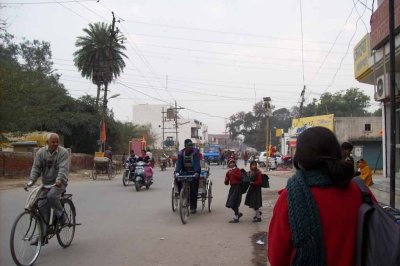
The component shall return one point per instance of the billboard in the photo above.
(301, 124)
(362, 53)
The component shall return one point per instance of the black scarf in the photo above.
(304, 219)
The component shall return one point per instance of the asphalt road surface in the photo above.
(123, 227)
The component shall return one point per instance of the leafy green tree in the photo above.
(352, 102)
(100, 56)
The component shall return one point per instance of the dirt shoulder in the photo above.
(19, 181)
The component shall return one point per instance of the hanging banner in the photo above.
(103, 132)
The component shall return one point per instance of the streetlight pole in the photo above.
(267, 107)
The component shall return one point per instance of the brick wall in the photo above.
(20, 163)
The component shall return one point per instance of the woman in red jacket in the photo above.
(253, 196)
(234, 178)
(315, 218)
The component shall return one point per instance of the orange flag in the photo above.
(103, 132)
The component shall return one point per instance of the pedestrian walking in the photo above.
(315, 218)
(253, 196)
(234, 178)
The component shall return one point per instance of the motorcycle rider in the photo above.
(131, 161)
(52, 163)
(147, 168)
(189, 162)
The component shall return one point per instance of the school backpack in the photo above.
(265, 181)
(245, 181)
(378, 233)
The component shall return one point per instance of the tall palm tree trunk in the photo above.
(98, 95)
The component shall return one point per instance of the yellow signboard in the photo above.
(362, 53)
(301, 124)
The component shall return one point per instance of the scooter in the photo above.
(143, 175)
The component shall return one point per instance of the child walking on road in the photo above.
(234, 178)
(253, 197)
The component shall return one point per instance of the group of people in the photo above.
(253, 197)
(314, 221)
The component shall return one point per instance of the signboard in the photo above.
(301, 124)
(380, 23)
(362, 53)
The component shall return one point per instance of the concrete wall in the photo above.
(352, 128)
(20, 163)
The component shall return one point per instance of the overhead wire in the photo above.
(44, 2)
(348, 47)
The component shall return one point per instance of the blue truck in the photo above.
(212, 153)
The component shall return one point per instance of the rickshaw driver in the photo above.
(52, 163)
(189, 162)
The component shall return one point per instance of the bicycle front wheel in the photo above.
(184, 204)
(65, 233)
(26, 239)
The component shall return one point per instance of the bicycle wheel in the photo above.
(125, 178)
(174, 201)
(65, 233)
(26, 230)
(184, 204)
(110, 171)
(94, 172)
(209, 196)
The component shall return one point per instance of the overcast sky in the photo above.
(221, 56)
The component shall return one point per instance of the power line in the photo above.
(44, 2)
(348, 47)
(302, 42)
(64, 6)
(331, 48)
(223, 32)
(228, 43)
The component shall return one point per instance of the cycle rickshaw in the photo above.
(181, 200)
(103, 166)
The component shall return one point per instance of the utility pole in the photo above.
(163, 128)
(392, 63)
(176, 129)
(108, 75)
(300, 114)
(267, 107)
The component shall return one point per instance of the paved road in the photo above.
(123, 227)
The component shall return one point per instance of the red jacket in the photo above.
(338, 208)
(233, 177)
(257, 179)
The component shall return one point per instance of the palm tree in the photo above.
(100, 56)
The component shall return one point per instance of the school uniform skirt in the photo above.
(253, 197)
(234, 196)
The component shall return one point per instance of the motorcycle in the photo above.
(143, 175)
(163, 164)
(129, 173)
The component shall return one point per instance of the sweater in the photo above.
(338, 208)
(233, 177)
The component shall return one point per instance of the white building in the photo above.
(151, 114)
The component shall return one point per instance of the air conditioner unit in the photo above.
(380, 88)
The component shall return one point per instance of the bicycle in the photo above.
(28, 233)
(184, 196)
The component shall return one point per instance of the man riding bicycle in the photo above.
(189, 162)
(52, 163)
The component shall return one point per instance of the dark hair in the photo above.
(253, 162)
(318, 148)
(347, 146)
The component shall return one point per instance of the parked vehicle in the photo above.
(273, 161)
(143, 175)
